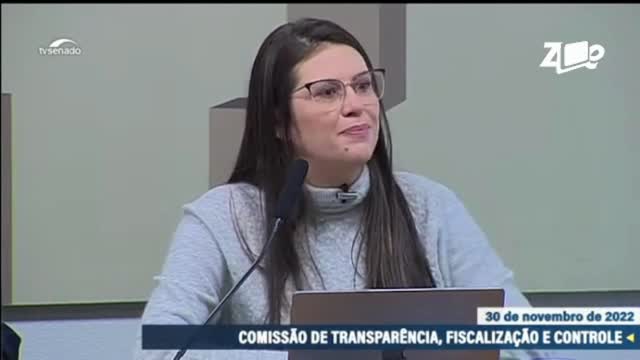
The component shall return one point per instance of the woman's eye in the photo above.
(363, 86)
(326, 92)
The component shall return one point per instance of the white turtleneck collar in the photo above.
(325, 199)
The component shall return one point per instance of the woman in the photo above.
(314, 94)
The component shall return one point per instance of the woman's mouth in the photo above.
(357, 130)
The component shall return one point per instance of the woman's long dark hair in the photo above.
(394, 257)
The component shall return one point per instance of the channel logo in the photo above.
(61, 47)
(571, 56)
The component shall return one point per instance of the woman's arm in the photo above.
(470, 261)
(192, 281)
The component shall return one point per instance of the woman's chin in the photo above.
(357, 153)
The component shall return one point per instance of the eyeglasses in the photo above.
(368, 85)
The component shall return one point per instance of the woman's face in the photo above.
(333, 122)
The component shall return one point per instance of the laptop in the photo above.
(454, 306)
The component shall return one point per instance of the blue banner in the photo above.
(389, 337)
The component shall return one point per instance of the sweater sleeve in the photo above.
(469, 258)
(192, 281)
(470, 261)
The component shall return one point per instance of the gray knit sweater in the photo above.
(206, 256)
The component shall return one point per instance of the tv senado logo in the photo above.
(66, 47)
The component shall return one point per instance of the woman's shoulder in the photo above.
(424, 191)
(221, 200)
(419, 182)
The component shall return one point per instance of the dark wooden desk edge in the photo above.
(134, 309)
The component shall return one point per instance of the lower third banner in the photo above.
(388, 337)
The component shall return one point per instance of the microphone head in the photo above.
(292, 188)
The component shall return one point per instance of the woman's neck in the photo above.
(332, 175)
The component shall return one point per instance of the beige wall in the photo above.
(548, 164)
(109, 144)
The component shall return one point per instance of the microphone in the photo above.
(286, 201)
(344, 194)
